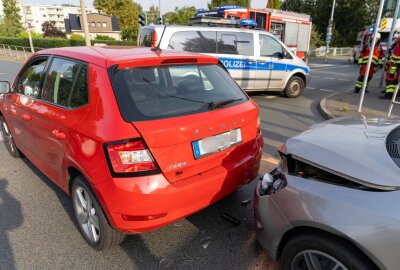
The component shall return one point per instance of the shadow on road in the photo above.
(10, 219)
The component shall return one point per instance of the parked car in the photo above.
(139, 138)
(333, 201)
(254, 58)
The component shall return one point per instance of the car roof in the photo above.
(205, 28)
(111, 55)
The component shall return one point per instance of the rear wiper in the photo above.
(213, 106)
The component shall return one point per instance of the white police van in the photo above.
(254, 58)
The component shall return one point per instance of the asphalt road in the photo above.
(37, 229)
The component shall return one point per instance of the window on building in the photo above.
(93, 24)
(99, 24)
(104, 24)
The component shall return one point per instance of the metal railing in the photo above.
(17, 52)
(335, 51)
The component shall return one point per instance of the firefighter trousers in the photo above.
(359, 83)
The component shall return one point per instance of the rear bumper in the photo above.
(155, 196)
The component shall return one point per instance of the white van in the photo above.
(254, 58)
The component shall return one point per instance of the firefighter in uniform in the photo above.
(392, 69)
(363, 61)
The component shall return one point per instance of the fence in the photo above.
(17, 52)
(320, 52)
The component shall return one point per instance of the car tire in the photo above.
(8, 139)
(294, 87)
(90, 217)
(320, 248)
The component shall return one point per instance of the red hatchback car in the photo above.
(138, 138)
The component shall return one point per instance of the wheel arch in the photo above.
(331, 233)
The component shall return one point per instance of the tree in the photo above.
(275, 4)
(126, 12)
(49, 29)
(180, 15)
(351, 17)
(217, 3)
(11, 25)
(152, 15)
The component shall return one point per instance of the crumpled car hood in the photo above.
(352, 146)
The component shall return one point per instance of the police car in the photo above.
(254, 58)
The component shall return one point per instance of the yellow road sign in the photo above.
(383, 24)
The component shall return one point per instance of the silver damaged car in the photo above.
(334, 200)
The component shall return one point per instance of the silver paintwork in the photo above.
(352, 146)
(368, 219)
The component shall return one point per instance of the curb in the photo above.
(323, 110)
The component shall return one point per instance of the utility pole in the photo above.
(394, 22)
(329, 32)
(371, 52)
(27, 27)
(85, 23)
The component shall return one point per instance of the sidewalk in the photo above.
(346, 103)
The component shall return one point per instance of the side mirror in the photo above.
(284, 54)
(4, 87)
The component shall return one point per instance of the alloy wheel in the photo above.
(9, 141)
(316, 260)
(86, 214)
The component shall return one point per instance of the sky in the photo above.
(165, 4)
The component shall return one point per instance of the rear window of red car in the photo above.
(150, 93)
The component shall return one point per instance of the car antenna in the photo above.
(157, 48)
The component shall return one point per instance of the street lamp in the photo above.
(27, 27)
(329, 32)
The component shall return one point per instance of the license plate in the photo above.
(216, 143)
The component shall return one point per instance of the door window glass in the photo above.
(28, 82)
(66, 84)
(235, 43)
(270, 47)
(194, 41)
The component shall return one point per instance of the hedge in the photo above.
(58, 42)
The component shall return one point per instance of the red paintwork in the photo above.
(56, 139)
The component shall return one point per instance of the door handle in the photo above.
(251, 61)
(59, 135)
(26, 117)
(262, 62)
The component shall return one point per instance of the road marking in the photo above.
(327, 90)
(345, 80)
(329, 78)
(312, 88)
(2, 73)
(270, 97)
(316, 76)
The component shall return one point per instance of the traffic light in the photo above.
(142, 20)
(159, 20)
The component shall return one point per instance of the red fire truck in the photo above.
(293, 29)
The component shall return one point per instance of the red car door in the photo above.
(19, 104)
(59, 110)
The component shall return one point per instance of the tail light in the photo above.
(130, 158)
(153, 39)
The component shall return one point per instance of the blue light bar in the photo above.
(248, 22)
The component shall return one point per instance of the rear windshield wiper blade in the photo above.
(216, 105)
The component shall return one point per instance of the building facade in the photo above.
(36, 15)
(99, 24)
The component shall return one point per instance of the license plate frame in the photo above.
(216, 143)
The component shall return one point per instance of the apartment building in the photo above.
(36, 15)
